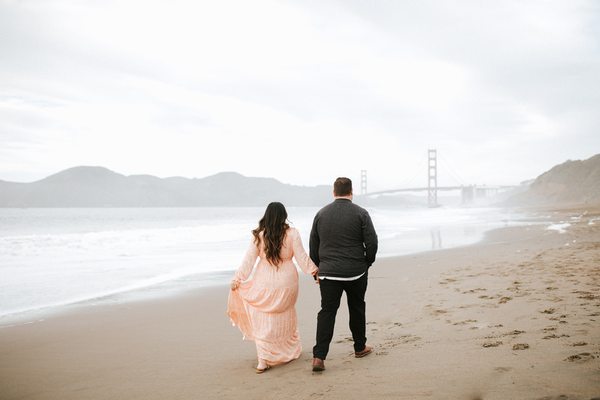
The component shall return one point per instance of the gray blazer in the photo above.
(343, 241)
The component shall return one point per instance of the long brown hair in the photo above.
(273, 225)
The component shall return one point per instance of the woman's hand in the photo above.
(235, 284)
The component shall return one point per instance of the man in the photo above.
(343, 244)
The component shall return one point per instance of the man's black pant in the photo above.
(331, 294)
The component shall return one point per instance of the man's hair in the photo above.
(342, 187)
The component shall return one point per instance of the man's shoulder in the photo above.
(348, 208)
(358, 209)
(325, 208)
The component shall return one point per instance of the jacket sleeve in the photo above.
(369, 238)
(314, 242)
(244, 270)
(304, 262)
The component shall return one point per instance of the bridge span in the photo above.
(468, 192)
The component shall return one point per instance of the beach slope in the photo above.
(516, 316)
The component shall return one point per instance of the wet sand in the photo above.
(516, 316)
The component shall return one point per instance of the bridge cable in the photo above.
(453, 172)
(419, 172)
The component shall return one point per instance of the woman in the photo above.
(262, 300)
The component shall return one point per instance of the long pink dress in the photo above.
(263, 306)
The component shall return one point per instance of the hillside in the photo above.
(100, 187)
(572, 182)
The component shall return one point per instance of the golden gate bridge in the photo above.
(468, 192)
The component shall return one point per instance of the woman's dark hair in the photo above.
(273, 225)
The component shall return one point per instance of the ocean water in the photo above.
(56, 256)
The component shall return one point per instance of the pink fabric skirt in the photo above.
(264, 309)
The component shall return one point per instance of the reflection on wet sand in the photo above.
(436, 238)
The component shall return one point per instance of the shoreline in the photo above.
(162, 290)
(514, 316)
(180, 285)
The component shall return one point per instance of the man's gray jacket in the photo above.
(343, 241)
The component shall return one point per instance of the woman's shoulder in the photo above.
(292, 232)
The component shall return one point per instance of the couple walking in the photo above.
(263, 295)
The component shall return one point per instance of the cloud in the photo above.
(302, 91)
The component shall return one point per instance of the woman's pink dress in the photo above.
(263, 306)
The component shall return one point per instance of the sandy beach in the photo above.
(516, 316)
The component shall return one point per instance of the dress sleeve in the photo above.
(243, 272)
(303, 260)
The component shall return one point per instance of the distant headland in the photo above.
(572, 182)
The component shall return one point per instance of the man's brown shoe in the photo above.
(318, 365)
(365, 352)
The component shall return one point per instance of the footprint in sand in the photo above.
(576, 344)
(492, 344)
(513, 333)
(465, 322)
(344, 340)
(503, 369)
(474, 290)
(397, 340)
(555, 336)
(393, 325)
(581, 357)
(439, 312)
(516, 289)
(447, 281)
(504, 299)
(564, 397)
(586, 295)
(520, 346)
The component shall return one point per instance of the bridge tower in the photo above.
(432, 180)
(363, 181)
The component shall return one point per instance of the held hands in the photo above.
(315, 276)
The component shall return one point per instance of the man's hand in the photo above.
(315, 276)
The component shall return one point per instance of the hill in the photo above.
(100, 187)
(569, 183)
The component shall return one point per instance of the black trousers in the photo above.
(331, 295)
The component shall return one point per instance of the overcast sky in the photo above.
(303, 91)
